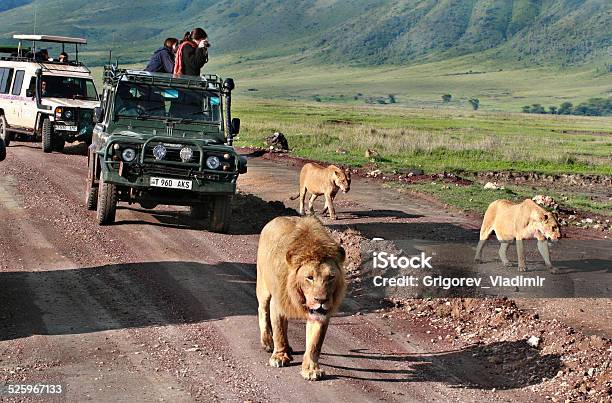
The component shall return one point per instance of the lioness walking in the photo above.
(299, 276)
(526, 220)
(319, 181)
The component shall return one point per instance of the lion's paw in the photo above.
(267, 343)
(524, 268)
(553, 270)
(313, 374)
(280, 360)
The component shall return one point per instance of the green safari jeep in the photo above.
(161, 139)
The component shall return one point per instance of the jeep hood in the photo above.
(72, 103)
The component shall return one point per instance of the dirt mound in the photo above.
(560, 363)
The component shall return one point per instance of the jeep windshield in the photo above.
(167, 103)
(68, 87)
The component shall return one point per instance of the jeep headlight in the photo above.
(68, 114)
(186, 154)
(128, 155)
(159, 152)
(213, 162)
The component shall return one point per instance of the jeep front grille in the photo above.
(172, 154)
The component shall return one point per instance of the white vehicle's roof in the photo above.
(59, 69)
(50, 38)
(64, 68)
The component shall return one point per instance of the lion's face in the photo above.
(548, 226)
(342, 179)
(320, 284)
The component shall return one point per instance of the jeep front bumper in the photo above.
(138, 173)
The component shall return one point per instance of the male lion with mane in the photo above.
(300, 275)
(525, 220)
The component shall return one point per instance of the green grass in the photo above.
(432, 139)
(475, 198)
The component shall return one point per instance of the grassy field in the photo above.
(432, 139)
(421, 85)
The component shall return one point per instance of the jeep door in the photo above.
(29, 109)
(19, 99)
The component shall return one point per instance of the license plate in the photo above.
(66, 128)
(171, 183)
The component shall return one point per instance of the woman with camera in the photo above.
(192, 53)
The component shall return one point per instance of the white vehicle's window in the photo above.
(157, 101)
(18, 82)
(68, 87)
(6, 76)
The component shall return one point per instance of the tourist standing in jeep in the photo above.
(161, 139)
(48, 100)
(192, 54)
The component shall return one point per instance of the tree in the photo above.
(446, 97)
(552, 109)
(475, 102)
(565, 108)
(392, 99)
(526, 109)
(537, 108)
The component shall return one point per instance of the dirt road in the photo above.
(154, 308)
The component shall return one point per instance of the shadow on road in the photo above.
(249, 215)
(500, 365)
(137, 295)
(434, 231)
(123, 296)
(382, 214)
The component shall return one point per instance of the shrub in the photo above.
(446, 97)
(475, 102)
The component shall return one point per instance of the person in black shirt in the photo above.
(192, 54)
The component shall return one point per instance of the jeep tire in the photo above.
(4, 133)
(91, 196)
(220, 214)
(107, 203)
(58, 143)
(47, 136)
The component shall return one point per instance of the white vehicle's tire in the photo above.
(47, 136)
(4, 133)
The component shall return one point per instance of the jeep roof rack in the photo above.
(114, 74)
(51, 39)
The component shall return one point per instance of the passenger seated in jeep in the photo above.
(42, 56)
(63, 57)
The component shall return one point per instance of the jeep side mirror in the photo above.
(30, 93)
(235, 126)
(99, 114)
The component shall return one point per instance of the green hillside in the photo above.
(362, 32)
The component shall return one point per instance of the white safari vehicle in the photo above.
(45, 98)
